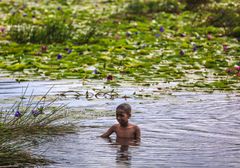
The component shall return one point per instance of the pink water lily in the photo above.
(109, 77)
(2, 29)
(231, 71)
(237, 68)
(225, 47)
(209, 37)
(44, 48)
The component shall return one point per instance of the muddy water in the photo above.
(179, 130)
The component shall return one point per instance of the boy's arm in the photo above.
(138, 133)
(109, 132)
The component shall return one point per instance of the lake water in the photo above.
(179, 129)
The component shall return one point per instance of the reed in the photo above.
(29, 122)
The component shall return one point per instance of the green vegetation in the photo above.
(192, 42)
(30, 121)
(133, 40)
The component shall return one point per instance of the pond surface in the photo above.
(179, 129)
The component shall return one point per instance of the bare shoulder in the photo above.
(114, 126)
(135, 127)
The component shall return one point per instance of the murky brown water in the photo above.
(178, 130)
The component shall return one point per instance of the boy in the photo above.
(124, 129)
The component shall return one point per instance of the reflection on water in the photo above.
(181, 130)
(123, 155)
(122, 145)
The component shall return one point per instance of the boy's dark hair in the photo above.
(125, 107)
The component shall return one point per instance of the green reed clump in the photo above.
(227, 18)
(19, 158)
(63, 2)
(18, 19)
(198, 4)
(170, 6)
(90, 31)
(29, 113)
(53, 30)
(28, 122)
(136, 7)
(153, 6)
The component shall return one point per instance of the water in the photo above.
(179, 130)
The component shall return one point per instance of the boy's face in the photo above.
(122, 117)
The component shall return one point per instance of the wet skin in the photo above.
(124, 129)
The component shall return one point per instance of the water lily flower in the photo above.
(44, 48)
(95, 71)
(182, 52)
(161, 29)
(237, 68)
(109, 77)
(209, 37)
(17, 114)
(59, 56)
(194, 47)
(225, 47)
(2, 29)
(230, 71)
(69, 51)
(128, 34)
(183, 35)
(35, 113)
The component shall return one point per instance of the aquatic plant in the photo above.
(196, 4)
(35, 119)
(153, 6)
(234, 71)
(136, 41)
(225, 17)
(170, 6)
(84, 37)
(53, 30)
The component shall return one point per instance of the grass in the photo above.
(27, 123)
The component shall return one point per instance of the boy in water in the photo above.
(124, 129)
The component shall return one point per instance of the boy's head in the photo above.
(124, 108)
(123, 113)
